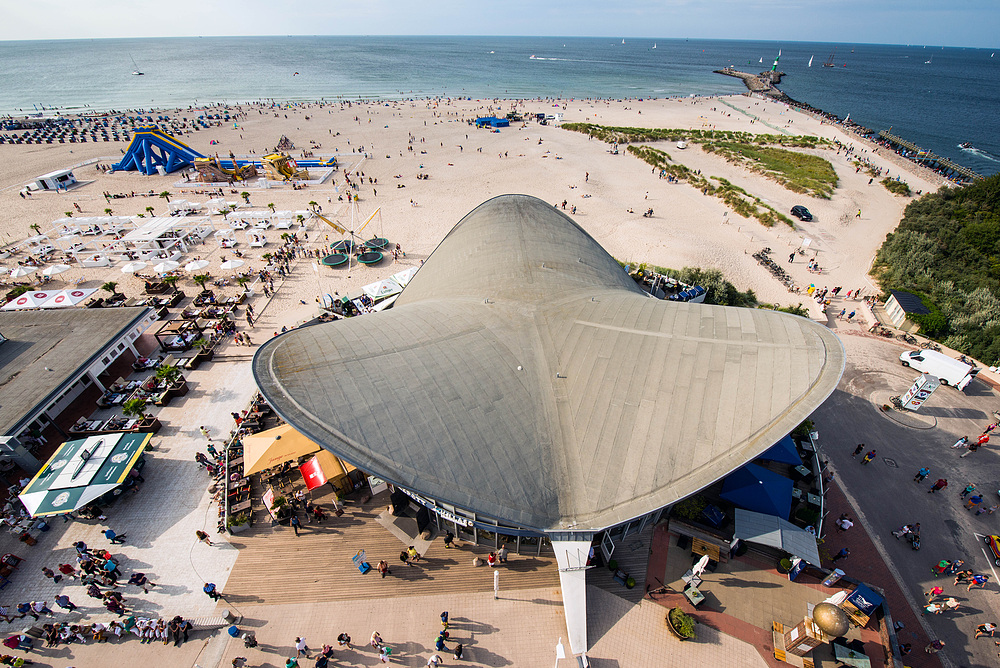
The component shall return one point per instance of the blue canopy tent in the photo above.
(783, 451)
(755, 488)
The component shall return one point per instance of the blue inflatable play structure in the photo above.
(151, 148)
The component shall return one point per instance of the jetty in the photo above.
(765, 83)
(939, 164)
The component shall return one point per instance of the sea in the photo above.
(937, 97)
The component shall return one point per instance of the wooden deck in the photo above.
(274, 566)
(632, 555)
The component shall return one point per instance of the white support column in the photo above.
(571, 555)
(93, 378)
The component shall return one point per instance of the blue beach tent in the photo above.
(755, 488)
(783, 451)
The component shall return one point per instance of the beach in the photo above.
(466, 166)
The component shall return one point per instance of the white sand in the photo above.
(688, 229)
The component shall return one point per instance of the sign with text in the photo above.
(922, 388)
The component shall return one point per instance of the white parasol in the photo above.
(232, 264)
(133, 267)
(196, 265)
(700, 567)
(22, 271)
(56, 269)
(165, 266)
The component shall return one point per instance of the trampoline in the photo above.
(377, 243)
(334, 260)
(370, 257)
(343, 246)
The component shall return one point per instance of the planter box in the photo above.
(238, 528)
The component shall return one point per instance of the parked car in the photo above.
(801, 213)
(993, 542)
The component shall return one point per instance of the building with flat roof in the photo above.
(48, 358)
(524, 384)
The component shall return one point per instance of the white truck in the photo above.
(948, 369)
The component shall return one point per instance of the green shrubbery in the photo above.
(896, 187)
(947, 247)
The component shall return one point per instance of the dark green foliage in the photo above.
(720, 291)
(896, 187)
(947, 247)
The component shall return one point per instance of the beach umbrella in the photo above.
(165, 266)
(232, 264)
(56, 269)
(196, 265)
(22, 271)
(133, 267)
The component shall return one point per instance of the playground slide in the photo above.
(151, 148)
(210, 170)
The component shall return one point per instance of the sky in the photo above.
(972, 23)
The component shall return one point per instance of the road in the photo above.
(885, 495)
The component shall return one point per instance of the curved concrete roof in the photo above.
(523, 375)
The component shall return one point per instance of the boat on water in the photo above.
(762, 59)
(966, 145)
(532, 57)
(928, 61)
(811, 61)
(623, 41)
(654, 45)
(829, 61)
(136, 72)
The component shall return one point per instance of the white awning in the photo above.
(776, 532)
(382, 289)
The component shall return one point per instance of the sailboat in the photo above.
(762, 60)
(135, 72)
(811, 61)
(623, 41)
(654, 45)
(829, 62)
(928, 61)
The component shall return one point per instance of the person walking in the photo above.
(375, 640)
(933, 594)
(972, 448)
(987, 629)
(62, 600)
(383, 568)
(434, 661)
(113, 537)
(939, 485)
(843, 554)
(973, 501)
(203, 537)
(49, 573)
(858, 450)
(869, 456)
(458, 651)
(344, 640)
(204, 432)
(844, 524)
(962, 442)
(921, 474)
(412, 553)
(988, 509)
(301, 649)
(791, 257)
(449, 538)
(934, 647)
(969, 489)
(978, 580)
(211, 591)
(295, 524)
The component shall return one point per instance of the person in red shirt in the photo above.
(940, 484)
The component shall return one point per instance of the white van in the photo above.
(948, 369)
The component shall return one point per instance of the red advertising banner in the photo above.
(312, 474)
(268, 499)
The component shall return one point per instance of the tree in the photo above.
(108, 211)
(270, 206)
(242, 281)
(149, 209)
(37, 229)
(68, 214)
(300, 219)
(111, 286)
(169, 375)
(135, 408)
(246, 197)
(201, 280)
(165, 195)
(171, 282)
(313, 205)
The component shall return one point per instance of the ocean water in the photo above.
(937, 104)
